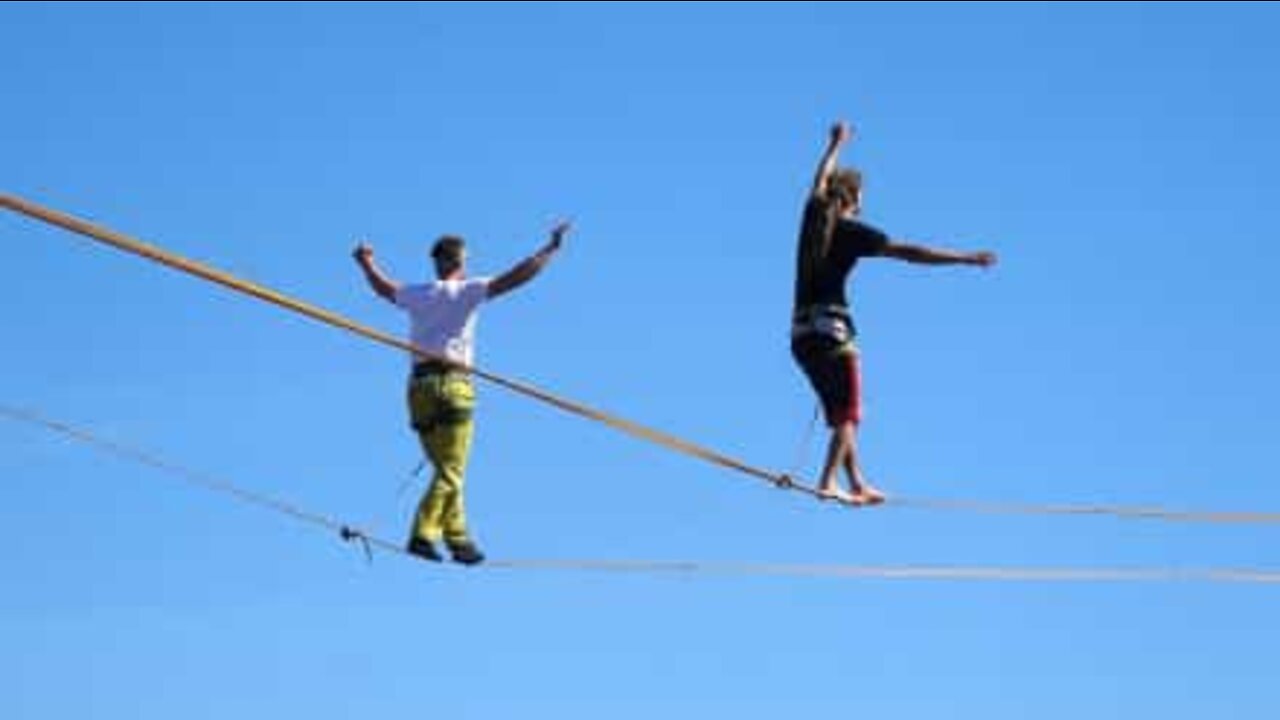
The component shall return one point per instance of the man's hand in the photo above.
(530, 266)
(841, 133)
(982, 259)
(384, 286)
(558, 232)
(363, 253)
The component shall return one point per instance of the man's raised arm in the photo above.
(384, 286)
(528, 268)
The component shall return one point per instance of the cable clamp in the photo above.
(349, 535)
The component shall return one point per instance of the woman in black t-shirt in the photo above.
(832, 240)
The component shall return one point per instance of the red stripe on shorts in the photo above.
(853, 413)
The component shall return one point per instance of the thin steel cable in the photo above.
(1132, 512)
(193, 477)
(958, 573)
(651, 567)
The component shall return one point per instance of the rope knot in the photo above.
(349, 534)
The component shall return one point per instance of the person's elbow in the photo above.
(386, 290)
(516, 277)
(820, 190)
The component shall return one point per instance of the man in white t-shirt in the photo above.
(442, 317)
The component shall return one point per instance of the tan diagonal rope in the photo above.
(155, 254)
(667, 440)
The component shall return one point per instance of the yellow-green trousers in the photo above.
(440, 408)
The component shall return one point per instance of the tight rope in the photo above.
(781, 480)
(1216, 517)
(911, 572)
(191, 267)
(652, 567)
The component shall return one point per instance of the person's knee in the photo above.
(846, 431)
(451, 475)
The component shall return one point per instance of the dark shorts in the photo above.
(832, 368)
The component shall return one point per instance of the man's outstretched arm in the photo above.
(529, 267)
(840, 134)
(384, 286)
(922, 255)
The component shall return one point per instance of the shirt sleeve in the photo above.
(476, 291)
(406, 295)
(872, 241)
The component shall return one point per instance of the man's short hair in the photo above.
(448, 248)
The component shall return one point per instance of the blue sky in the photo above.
(1119, 158)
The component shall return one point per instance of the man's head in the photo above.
(449, 254)
(845, 188)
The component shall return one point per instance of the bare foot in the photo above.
(867, 495)
(834, 493)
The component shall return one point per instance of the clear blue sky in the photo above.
(1120, 158)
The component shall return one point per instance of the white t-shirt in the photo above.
(442, 315)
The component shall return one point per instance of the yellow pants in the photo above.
(440, 408)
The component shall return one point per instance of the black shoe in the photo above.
(466, 553)
(424, 549)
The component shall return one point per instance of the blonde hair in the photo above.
(842, 189)
(844, 185)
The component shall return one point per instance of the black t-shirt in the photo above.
(820, 278)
